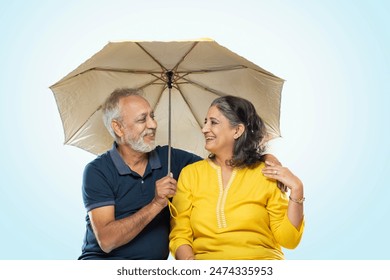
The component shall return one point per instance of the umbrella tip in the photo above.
(206, 39)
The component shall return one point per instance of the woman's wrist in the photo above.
(297, 187)
(296, 193)
(297, 200)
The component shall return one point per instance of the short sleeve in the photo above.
(96, 189)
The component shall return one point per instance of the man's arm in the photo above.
(270, 147)
(111, 233)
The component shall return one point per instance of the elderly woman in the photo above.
(229, 205)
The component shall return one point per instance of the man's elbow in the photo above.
(105, 244)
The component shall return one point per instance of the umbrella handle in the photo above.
(172, 209)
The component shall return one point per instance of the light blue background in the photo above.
(334, 57)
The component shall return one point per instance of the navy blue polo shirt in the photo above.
(107, 180)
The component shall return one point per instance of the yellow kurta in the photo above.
(246, 220)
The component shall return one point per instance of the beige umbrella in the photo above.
(186, 74)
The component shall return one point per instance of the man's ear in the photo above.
(117, 127)
(239, 131)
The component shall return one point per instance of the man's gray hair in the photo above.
(110, 107)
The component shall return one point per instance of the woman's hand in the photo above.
(284, 175)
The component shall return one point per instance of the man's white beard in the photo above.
(139, 144)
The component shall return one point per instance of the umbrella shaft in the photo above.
(169, 74)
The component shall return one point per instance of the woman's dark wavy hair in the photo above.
(247, 151)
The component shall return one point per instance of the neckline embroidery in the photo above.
(223, 192)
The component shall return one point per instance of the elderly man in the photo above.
(126, 189)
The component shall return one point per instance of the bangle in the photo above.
(299, 201)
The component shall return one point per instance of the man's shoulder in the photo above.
(160, 149)
(163, 150)
(101, 161)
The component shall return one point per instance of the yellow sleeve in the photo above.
(181, 232)
(286, 234)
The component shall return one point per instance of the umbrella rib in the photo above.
(98, 108)
(152, 82)
(151, 56)
(219, 93)
(188, 105)
(184, 56)
(81, 126)
(158, 62)
(124, 70)
(222, 69)
(121, 70)
(157, 73)
(160, 96)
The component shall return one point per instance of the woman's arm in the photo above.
(184, 252)
(284, 175)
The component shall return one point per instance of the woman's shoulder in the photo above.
(255, 173)
(197, 165)
(256, 168)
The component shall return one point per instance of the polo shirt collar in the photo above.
(123, 169)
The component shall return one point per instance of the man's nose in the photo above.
(152, 123)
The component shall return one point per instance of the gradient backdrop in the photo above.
(334, 57)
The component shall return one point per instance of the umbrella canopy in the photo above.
(201, 70)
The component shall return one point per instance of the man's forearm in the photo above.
(120, 232)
